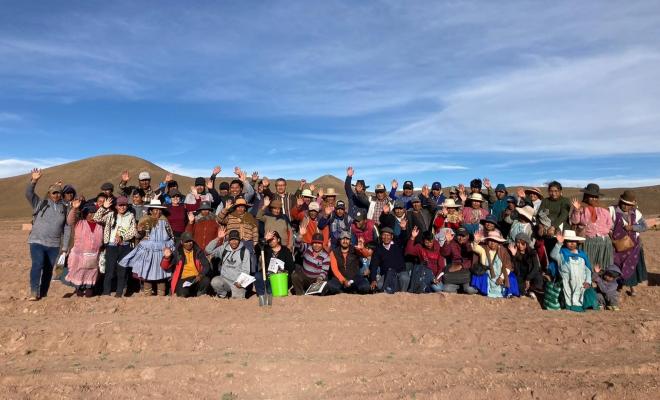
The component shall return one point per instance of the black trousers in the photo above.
(196, 289)
(114, 254)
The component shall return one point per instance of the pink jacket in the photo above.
(601, 227)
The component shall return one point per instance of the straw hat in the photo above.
(535, 191)
(571, 236)
(476, 197)
(527, 212)
(330, 192)
(155, 203)
(495, 236)
(450, 203)
(308, 193)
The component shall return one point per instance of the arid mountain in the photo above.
(88, 174)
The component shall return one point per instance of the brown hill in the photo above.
(88, 174)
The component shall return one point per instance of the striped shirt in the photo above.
(315, 266)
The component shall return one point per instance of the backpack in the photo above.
(222, 256)
(43, 206)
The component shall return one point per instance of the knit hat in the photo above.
(415, 199)
(317, 238)
(107, 186)
(462, 232)
(199, 181)
(524, 237)
(68, 189)
(186, 237)
(234, 235)
(511, 199)
(144, 176)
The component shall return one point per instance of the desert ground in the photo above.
(399, 346)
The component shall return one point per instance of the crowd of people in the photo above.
(575, 254)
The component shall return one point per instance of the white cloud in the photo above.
(12, 166)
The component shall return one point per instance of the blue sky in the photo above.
(522, 92)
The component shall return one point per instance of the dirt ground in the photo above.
(399, 346)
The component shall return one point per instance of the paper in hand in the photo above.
(276, 265)
(244, 280)
(187, 284)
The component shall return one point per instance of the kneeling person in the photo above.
(345, 262)
(191, 268)
(235, 257)
(315, 264)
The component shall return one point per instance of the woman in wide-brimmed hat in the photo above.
(473, 212)
(497, 279)
(629, 222)
(522, 223)
(146, 256)
(595, 221)
(449, 216)
(575, 270)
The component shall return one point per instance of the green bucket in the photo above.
(279, 284)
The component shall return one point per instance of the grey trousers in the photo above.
(224, 286)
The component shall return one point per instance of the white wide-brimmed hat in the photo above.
(450, 203)
(155, 203)
(571, 236)
(495, 236)
(527, 212)
(476, 197)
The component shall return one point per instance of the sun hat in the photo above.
(330, 192)
(450, 203)
(307, 193)
(572, 237)
(535, 191)
(495, 236)
(155, 203)
(144, 176)
(476, 197)
(527, 212)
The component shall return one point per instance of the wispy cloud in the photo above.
(12, 167)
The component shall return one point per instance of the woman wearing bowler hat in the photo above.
(596, 223)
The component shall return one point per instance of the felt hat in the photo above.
(524, 237)
(462, 232)
(415, 199)
(360, 216)
(399, 204)
(495, 236)
(489, 219)
(175, 193)
(379, 187)
(453, 189)
(628, 197)
(240, 202)
(592, 189)
(186, 237)
(361, 182)
(107, 186)
(572, 237)
(54, 189)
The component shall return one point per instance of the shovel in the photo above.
(265, 299)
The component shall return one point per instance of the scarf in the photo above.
(566, 253)
(592, 211)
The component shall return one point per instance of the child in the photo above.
(607, 286)
(575, 270)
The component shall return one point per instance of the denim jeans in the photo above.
(436, 287)
(43, 261)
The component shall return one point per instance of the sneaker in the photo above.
(532, 295)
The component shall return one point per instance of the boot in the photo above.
(147, 289)
(262, 300)
(269, 299)
(161, 288)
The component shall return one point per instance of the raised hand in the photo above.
(478, 237)
(266, 202)
(360, 243)
(268, 236)
(425, 190)
(255, 176)
(395, 184)
(312, 187)
(167, 252)
(461, 188)
(445, 210)
(106, 204)
(513, 249)
(415, 232)
(242, 176)
(321, 192)
(168, 178)
(229, 203)
(216, 170)
(386, 209)
(58, 183)
(302, 230)
(237, 171)
(35, 174)
(597, 268)
(125, 176)
(193, 190)
(350, 171)
(576, 203)
(328, 210)
(560, 237)
(521, 193)
(76, 204)
(302, 183)
(463, 195)
(449, 235)
(265, 181)
(299, 201)
(403, 224)
(487, 183)
(191, 217)
(222, 232)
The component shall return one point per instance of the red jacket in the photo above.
(203, 231)
(431, 258)
(178, 259)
